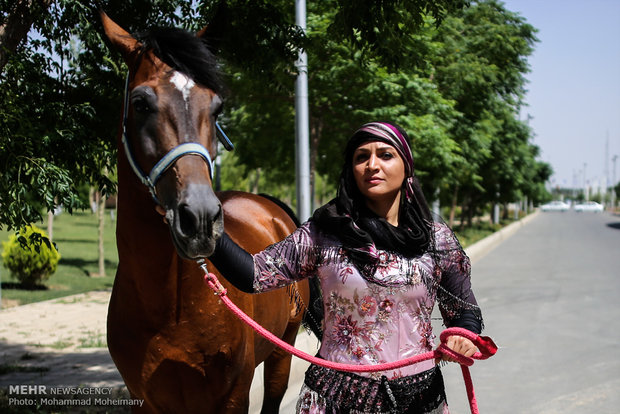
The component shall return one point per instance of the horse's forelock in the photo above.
(185, 52)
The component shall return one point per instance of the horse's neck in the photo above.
(141, 234)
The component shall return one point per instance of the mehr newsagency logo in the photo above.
(44, 395)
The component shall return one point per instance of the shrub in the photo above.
(30, 257)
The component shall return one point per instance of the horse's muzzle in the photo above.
(196, 221)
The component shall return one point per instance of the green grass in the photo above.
(470, 235)
(478, 231)
(76, 238)
(94, 339)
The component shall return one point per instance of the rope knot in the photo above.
(486, 346)
(214, 283)
(211, 280)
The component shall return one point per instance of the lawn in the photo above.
(478, 231)
(76, 239)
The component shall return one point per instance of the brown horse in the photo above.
(176, 346)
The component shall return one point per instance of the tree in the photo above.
(46, 119)
(15, 23)
(348, 86)
(480, 62)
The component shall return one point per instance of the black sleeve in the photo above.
(234, 263)
(469, 321)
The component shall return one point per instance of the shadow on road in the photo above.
(29, 364)
(615, 225)
(23, 365)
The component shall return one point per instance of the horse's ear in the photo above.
(120, 38)
(213, 33)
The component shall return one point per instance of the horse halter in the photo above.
(174, 154)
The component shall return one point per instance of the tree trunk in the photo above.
(470, 215)
(255, 185)
(50, 221)
(101, 215)
(50, 225)
(453, 206)
(92, 199)
(17, 25)
(463, 213)
(316, 131)
(505, 211)
(100, 202)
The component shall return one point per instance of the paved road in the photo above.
(550, 296)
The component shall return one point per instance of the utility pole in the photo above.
(575, 185)
(606, 172)
(302, 139)
(613, 185)
(586, 196)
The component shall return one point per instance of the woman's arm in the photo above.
(234, 263)
(457, 302)
(278, 265)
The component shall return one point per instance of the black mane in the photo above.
(185, 52)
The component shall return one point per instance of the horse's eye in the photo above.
(140, 105)
(217, 106)
(218, 111)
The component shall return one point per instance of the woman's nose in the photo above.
(372, 163)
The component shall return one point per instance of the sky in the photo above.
(573, 97)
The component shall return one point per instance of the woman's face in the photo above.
(378, 171)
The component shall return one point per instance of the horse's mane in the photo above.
(185, 52)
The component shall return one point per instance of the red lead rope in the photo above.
(485, 345)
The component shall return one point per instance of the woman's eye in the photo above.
(387, 155)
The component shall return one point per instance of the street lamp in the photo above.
(302, 133)
(613, 185)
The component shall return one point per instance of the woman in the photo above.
(382, 261)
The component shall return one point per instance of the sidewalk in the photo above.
(61, 342)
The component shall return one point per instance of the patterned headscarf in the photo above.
(360, 230)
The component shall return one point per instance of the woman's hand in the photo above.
(459, 345)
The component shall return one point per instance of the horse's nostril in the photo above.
(188, 221)
(217, 215)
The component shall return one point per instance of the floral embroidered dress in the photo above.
(384, 318)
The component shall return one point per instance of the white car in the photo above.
(589, 206)
(555, 206)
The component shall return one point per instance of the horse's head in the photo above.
(169, 128)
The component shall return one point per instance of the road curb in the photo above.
(482, 247)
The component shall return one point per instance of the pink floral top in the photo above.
(366, 322)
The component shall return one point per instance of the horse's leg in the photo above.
(276, 373)
(238, 400)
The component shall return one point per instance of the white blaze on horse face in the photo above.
(183, 84)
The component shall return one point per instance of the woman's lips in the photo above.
(373, 180)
